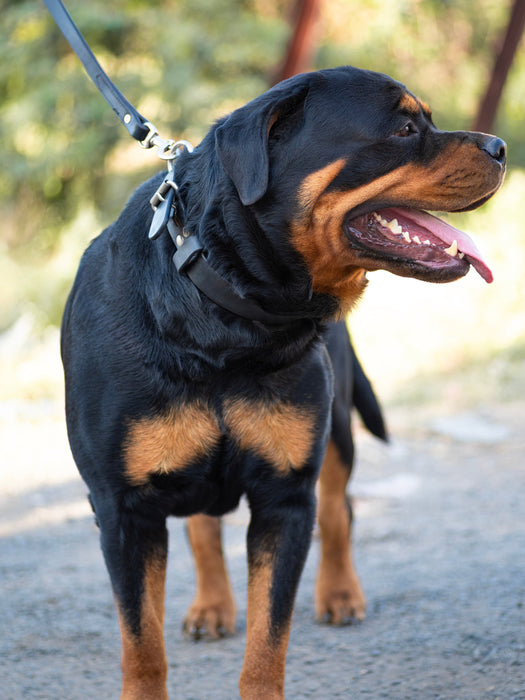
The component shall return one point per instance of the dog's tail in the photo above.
(366, 402)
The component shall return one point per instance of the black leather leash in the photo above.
(190, 256)
(138, 127)
(128, 115)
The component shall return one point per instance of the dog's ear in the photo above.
(241, 140)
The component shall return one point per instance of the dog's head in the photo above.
(349, 162)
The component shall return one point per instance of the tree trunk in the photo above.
(302, 43)
(489, 104)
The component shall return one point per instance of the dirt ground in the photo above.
(439, 542)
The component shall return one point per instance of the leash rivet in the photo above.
(179, 240)
(127, 118)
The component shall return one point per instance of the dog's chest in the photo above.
(282, 434)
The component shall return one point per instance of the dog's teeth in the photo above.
(416, 240)
(427, 242)
(394, 226)
(461, 256)
(453, 249)
(380, 220)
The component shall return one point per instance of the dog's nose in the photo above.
(496, 148)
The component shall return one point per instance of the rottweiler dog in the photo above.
(191, 384)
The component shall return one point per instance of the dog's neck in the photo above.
(254, 262)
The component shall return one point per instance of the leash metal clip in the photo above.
(167, 149)
(163, 205)
(160, 194)
(163, 201)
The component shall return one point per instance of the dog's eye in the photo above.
(407, 130)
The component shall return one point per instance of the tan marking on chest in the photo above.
(280, 433)
(170, 442)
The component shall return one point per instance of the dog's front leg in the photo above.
(135, 550)
(278, 539)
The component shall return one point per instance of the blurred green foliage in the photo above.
(183, 63)
(177, 62)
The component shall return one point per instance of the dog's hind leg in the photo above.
(338, 597)
(212, 612)
(135, 549)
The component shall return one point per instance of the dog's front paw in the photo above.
(339, 598)
(212, 619)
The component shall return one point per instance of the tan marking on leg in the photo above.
(262, 676)
(166, 443)
(144, 665)
(280, 433)
(338, 593)
(213, 608)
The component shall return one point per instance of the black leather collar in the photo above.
(190, 259)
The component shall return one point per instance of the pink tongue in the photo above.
(446, 233)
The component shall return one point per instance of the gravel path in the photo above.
(439, 541)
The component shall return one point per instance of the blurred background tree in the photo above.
(67, 163)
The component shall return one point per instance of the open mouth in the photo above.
(403, 235)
